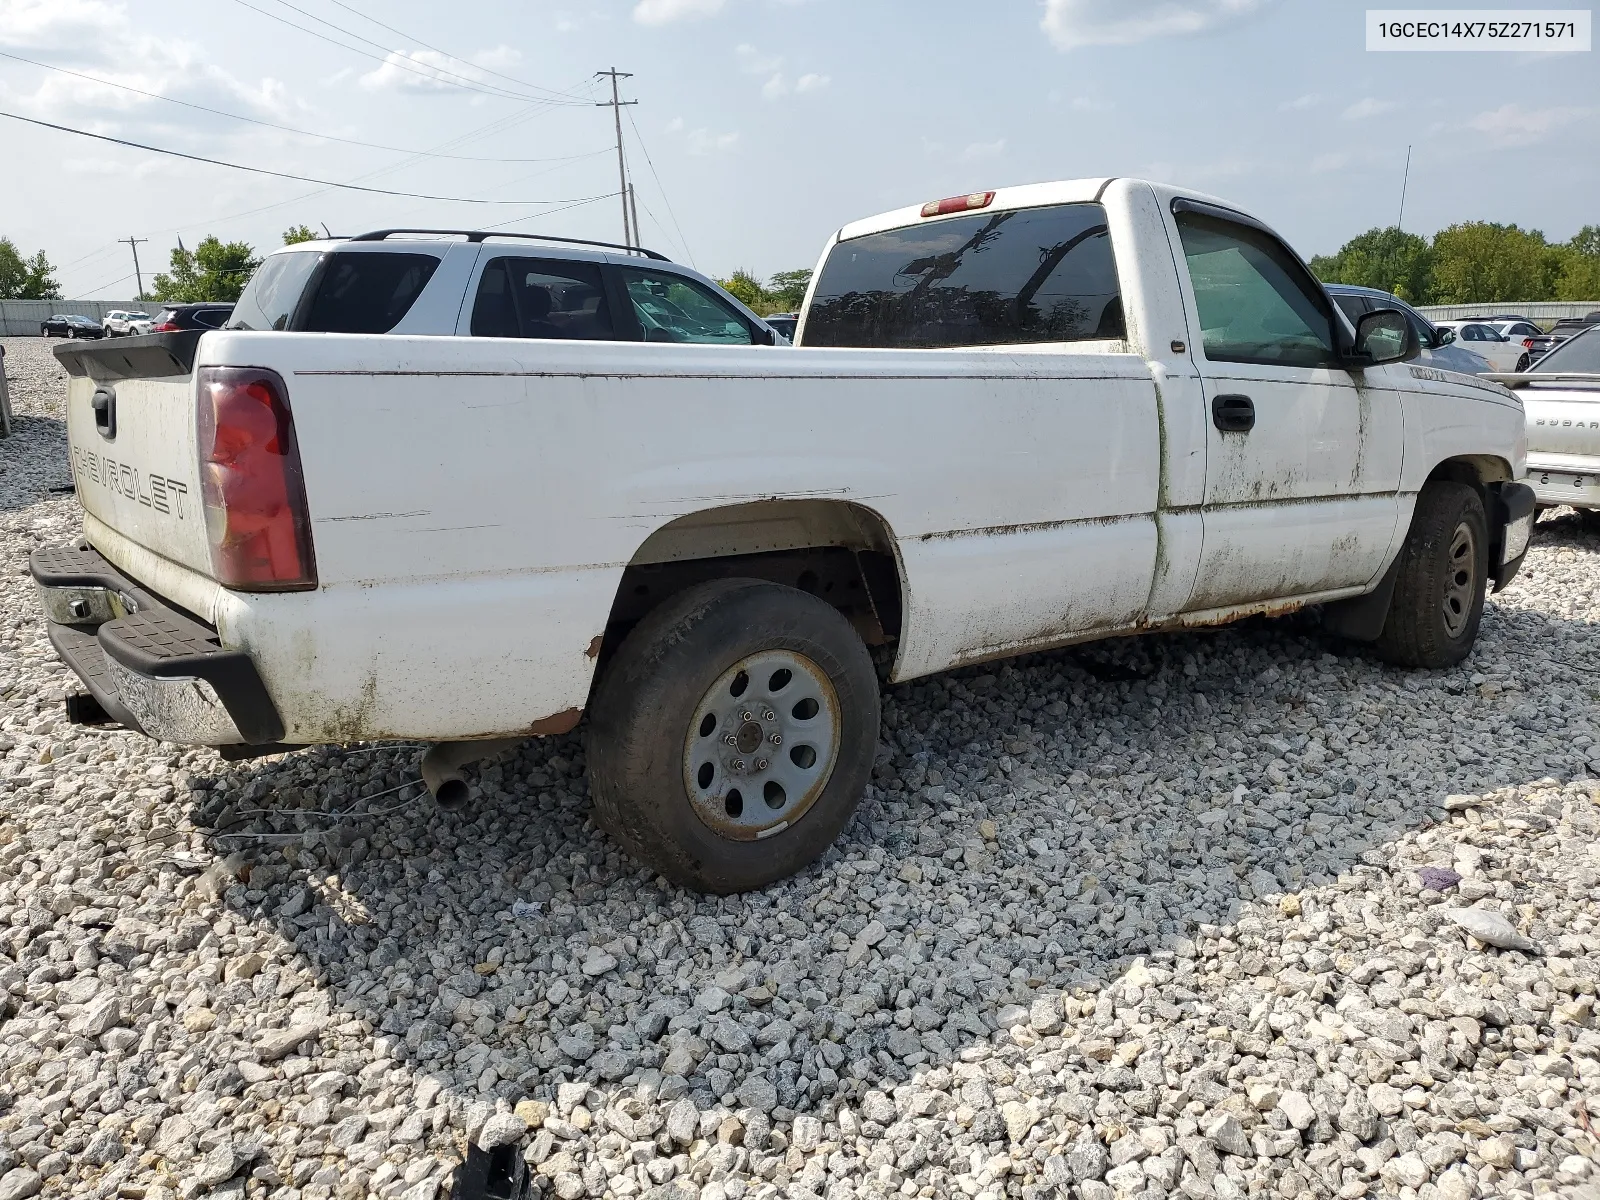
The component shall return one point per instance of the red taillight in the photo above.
(1527, 343)
(955, 204)
(251, 483)
(164, 327)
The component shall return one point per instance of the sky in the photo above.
(760, 126)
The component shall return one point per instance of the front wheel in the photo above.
(733, 734)
(1444, 572)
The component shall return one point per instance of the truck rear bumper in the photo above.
(151, 667)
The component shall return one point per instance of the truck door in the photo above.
(1303, 461)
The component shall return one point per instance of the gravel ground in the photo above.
(1147, 919)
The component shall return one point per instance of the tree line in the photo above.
(1475, 262)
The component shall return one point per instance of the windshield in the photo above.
(1581, 352)
(273, 292)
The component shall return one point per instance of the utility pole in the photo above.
(1404, 179)
(134, 243)
(633, 205)
(616, 104)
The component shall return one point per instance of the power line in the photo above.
(645, 150)
(410, 37)
(217, 162)
(403, 61)
(550, 212)
(271, 124)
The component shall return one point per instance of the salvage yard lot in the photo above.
(1137, 918)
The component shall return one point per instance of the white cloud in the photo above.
(1074, 23)
(812, 82)
(775, 87)
(753, 62)
(1088, 104)
(418, 71)
(1309, 100)
(498, 58)
(703, 141)
(1368, 107)
(982, 151)
(1328, 162)
(664, 12)
(1511, 124)
(675, 125)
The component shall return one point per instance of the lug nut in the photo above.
(770, 715)
(776, 739)
(749, 716)
(761, 764)
(731, 740)
(738, 764)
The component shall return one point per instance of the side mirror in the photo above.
(764, 336)
(1384, 336)
(1446, 336)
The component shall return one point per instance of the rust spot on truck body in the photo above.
(562, 722)
(594, 646)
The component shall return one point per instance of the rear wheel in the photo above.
(733, 734)
(1444, 572)
(1522, 364)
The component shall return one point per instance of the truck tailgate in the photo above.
(131, 433)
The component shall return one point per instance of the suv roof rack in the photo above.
(478, 235)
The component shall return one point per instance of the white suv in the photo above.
(123, 323)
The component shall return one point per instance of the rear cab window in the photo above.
(1018, 276)
(358, 292)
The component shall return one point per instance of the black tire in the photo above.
(1444, 572)
(661, 677)
(1522, 364)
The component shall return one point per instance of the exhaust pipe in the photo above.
(442, 763)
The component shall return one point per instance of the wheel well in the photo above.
(1474, 470)
(838, 551)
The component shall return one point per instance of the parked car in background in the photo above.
(1437, 350)
(784, 323)
(1502, 353)
(1561, 396)
(1563, 329)
(71, 325)
(126, 322)
(176, 317)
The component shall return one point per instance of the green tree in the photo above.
(1387, 259)
(296, 234)
(747, 289)
(1580, 266)
(213, 270)
(788, 289)
(1486, 262)
(26, 278)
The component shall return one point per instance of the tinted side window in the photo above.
(541, 298)
(212, 318)
(670, 308)
(1026, 275)
(1256, 304)
(1355, 307)
(367, 293)
(274, 291)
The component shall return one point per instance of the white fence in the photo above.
(1544, 310)
(22, 318)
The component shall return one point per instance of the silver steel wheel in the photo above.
(762, 745)
(1461, 585)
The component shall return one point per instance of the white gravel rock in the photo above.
(1141, 919)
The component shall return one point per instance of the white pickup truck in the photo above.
(452, 488)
